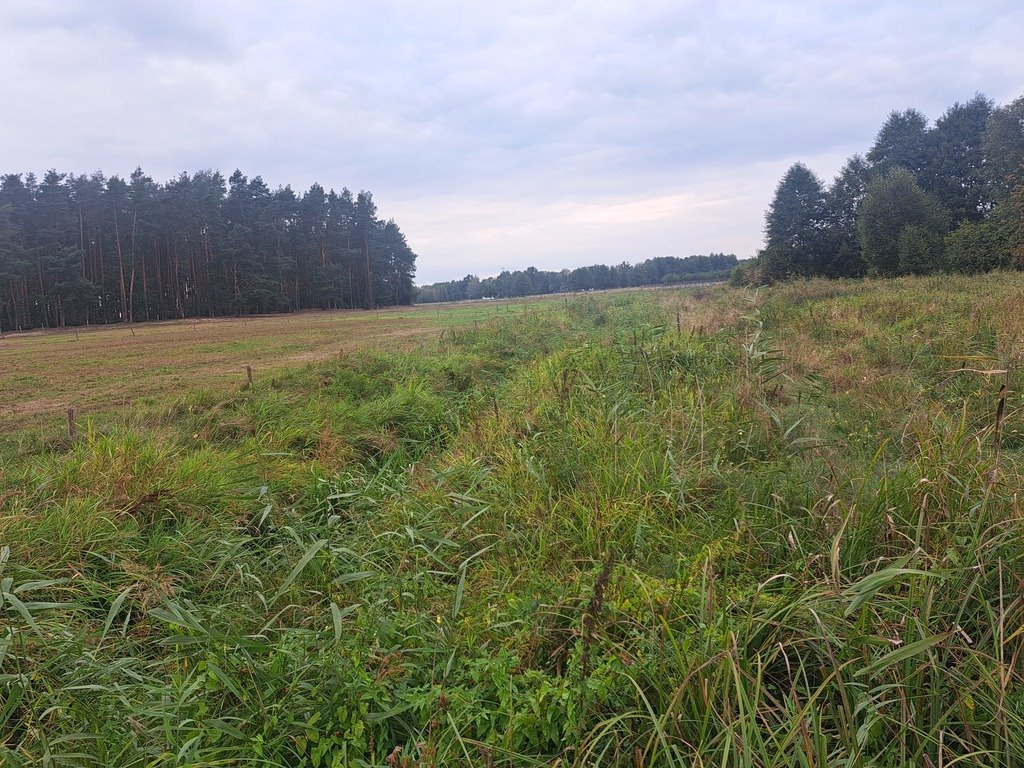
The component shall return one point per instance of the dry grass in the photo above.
(860, 334)
(107, 368)
(788, 534)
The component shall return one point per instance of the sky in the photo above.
(497, 135)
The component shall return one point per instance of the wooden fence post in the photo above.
(72, 425)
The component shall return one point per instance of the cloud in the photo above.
(534, 133)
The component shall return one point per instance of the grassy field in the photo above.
(706, 527)
(108, 368)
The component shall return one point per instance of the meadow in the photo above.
(107, 368)
(709, 526)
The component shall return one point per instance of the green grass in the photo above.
(683, 528)
(105, 369)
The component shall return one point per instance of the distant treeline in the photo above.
(78, 250)
(945, 197)
(534, 282)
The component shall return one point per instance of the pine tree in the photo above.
(842, 204)
(794, 227)
(87, 249)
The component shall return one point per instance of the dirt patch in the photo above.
(30, 407)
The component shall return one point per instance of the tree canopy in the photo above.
(532, 281)
(901, 226)
(77, 250)
(794, 226)
(948, 196)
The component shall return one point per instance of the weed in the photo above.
(404, 558)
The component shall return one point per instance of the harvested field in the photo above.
(106, 368)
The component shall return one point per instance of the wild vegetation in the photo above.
(90, 250)
(685, 528)
(663, 270)
(942, 198)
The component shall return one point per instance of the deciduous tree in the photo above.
(893, 204)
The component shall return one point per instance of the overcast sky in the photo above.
(547, 133)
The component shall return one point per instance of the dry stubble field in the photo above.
(107, 368)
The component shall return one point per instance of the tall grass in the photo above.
(777, 529)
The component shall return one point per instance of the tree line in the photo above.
(535, 282)
(925, 198)
(87, 249)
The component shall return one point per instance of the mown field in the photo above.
(685, 528)
(105, 369)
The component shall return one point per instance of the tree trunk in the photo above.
(366, 257)
(159, 282)
(120, 265)
(131, 291)
(145, 289)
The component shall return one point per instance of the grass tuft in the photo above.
(655, 528)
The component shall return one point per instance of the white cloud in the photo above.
(539, 133)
